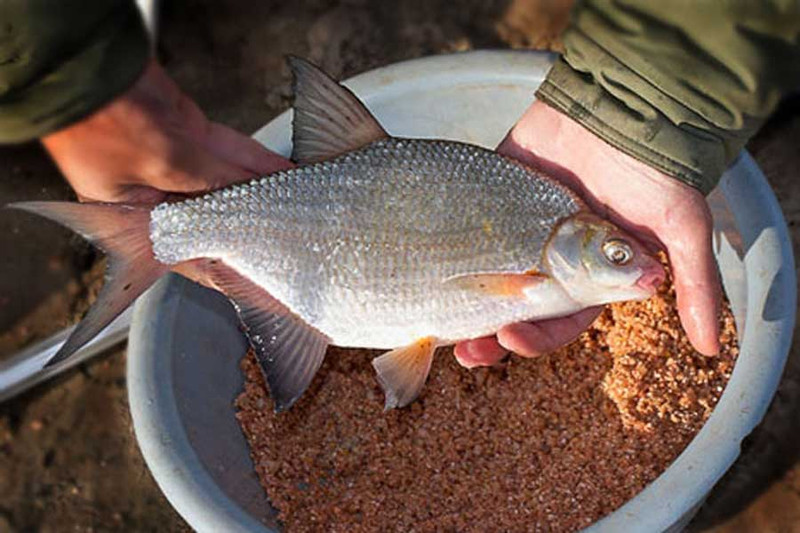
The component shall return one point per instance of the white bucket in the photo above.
(183, 367)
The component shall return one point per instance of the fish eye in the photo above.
(617, 252)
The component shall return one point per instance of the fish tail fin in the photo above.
(402, 372)
(123, 233)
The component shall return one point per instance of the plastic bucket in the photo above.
(183, 364)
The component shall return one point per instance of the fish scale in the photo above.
(358, 246)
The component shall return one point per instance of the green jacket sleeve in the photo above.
(679, 85)
(60, 60)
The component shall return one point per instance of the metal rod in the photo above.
(26, 368)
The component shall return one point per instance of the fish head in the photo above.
(596, 262)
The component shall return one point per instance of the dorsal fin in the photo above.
(329, 119)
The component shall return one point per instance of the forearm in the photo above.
(61, 60)
(678, 85)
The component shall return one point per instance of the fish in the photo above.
(371, 241)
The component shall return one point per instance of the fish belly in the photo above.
(359, 246)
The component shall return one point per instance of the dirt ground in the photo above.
(68, 457)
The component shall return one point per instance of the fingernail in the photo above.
(467, 365)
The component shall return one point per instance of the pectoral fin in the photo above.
(498, 284)
(288, 350)
(402, 372)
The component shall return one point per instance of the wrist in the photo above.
(692, 153)
(553, 141)
(123, 143)
(149, 96)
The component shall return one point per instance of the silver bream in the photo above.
(373, 241)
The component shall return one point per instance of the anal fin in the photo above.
(289, 351)
(402, 372)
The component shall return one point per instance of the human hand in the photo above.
(152, 141)
(656, 208)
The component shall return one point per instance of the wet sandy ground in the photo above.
(68, 458)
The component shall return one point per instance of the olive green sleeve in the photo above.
(60, 60)
(679, 85)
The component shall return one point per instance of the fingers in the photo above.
(697, 284)
(204, 155)
(485, 351)
(183, 166)
(221, 157)
(530, 339)
(191, 169)
(243, 151)
(140, 194)
(527, 339)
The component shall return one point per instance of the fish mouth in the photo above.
(651, 279)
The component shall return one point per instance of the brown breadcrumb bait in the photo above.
(550, 444)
